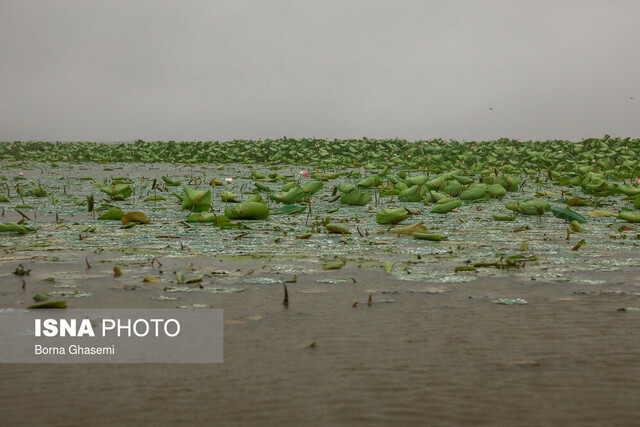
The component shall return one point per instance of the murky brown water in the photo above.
(422, 354)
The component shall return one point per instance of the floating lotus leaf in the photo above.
(261, 186)
(255, 198)
(336, 229)
(117, 191)
(369, 182)
(496, 191)
(464, 180)
(446, 207)
(228, 196)
(415, 193)
(288, 186)
(510, 183)
(114, 214)
(170, 182)
(248, 210)
(136, 216)
(633, 217)
(628, 190)
(427, 236)
(37, 192)
(294, 195)
(575, 226)
(478, 192)
(418, 180)
(504, 217)
(12, 227)
(204, 217)
(410, 229)
(196, 201)
(531, 207)
(435, 197)
(49, 304)
(356, 197)
(391, 215)
(3, 199)
(568, 215)
(345, 187)
(312, 187)
(453, 189)
(576, 201)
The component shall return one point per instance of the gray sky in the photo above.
(218, 70)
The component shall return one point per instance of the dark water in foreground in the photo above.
(439, 356)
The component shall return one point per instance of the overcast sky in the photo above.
(218, 70)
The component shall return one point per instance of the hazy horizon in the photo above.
(224, 70)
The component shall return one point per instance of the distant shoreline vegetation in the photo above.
(619, 155)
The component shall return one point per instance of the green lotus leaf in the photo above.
(114, 214)
(204, 217)
(446, 207)
(336, 229)
(196, 201)
(12, 227)
(633, 217)
(496, 191)
(434, 196)
(288, 186)
(248, 210)
(312, 187)
(37, 192)
(228, 197)
(391, 215)
(136, 216)
(294, 195)
(170, 182)
(369, 182)
(415, 193)
(345, 187)
(475, 193)
(453, 189)
(117, 191)
(462, 179)
(356, 197)
(289, 209)
(427, 236)
(504, 217)
(410, 229)
(568, 215)
(576, 201)
(629, 190)
(418, 180)
(261, 186)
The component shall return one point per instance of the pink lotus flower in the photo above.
(229, 180)
(21, 174)
(305, 174)
(638, 181)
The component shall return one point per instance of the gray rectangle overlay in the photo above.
(111, 336)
